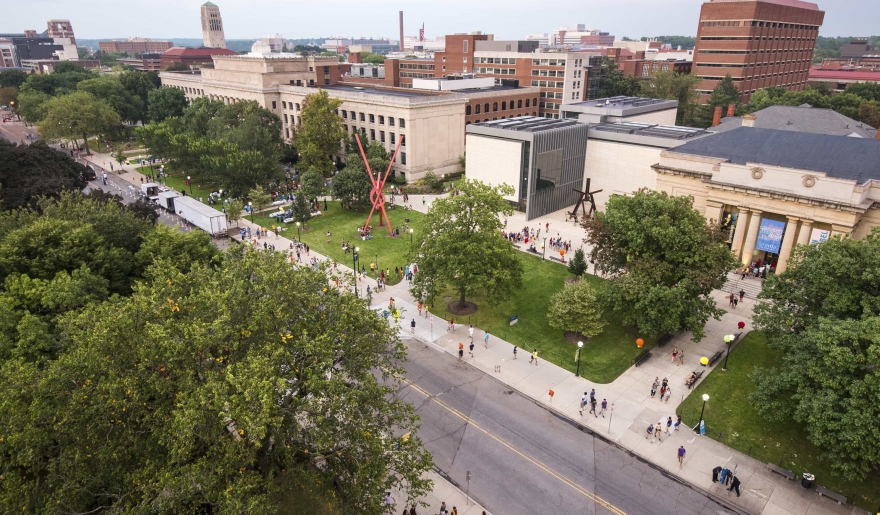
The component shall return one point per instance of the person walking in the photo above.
(654, 386)
(423, 201)
(514, 352)
(715, 473)
(534, 357)
(604, 405)
(443, 510)
(486, 339)
(668, 395)
(460, 351)
(593, 406)
(658, 429)
(649, 431)
(668, 425)
(734, 485)
(677, 423)
(742, 293)
(583, 403)
(412, 326)
(681, 357)
(472, 349)
(390, 501)
(735, 302)
(674, 354)
(730, 300)
(681, 453)
(471, 333)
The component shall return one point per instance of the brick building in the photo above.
(147, 62)
(135, 46)
(759, 43)
(646, 68)
(191, 56)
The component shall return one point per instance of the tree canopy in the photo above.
(12, 78)
(674, 86)
(462, 245)
(109, 89)
(28, 172)
(823, 313)
(77, 115)
(860, 102)
(575, 308)
(614, 82)
(723, 95)
(663, 260)
(352, 186)
(319, 135)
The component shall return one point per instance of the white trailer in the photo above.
(151, 191)
(206, 218)
(166, 200)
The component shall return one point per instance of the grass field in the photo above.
(732, 419)
(603, 358)
(178, 182)
(343, 224)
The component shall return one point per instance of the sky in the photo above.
(508, 19)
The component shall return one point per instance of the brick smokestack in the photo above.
(731, 110)
(717, 119)
(401, 31)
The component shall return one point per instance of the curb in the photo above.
(561, 416)
(455, 485)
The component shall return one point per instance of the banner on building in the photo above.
(819, 236)
(770, 236)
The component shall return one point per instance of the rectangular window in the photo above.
(372, 118)
(543, 84)
(552, 62)
(403, 154)
(372, 134)
(519, 104)
(534, 73)
(534, 83)
(286, 133)
(544, 62)
(363, 118)
(326, 82)
(402, 123)
(527, 102)
(464, 59)
(285, 117)
(467, 110)
(382, 136)
(393, 142)
(381, 120)
(283, 105)
(297, 107)
(504, 105)
(543, 73)
(345, 128)
(345, 114)
(477, 109)
(494, 106)
(486, 107)
(274, 104)
(465, 46)
(311, 82)
(391, 121)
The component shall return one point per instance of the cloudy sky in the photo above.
(248, 19)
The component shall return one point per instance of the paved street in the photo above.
(523, 457)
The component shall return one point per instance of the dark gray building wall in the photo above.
(557, 169)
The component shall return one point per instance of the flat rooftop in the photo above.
(621, 103)
(473, 91)
(649, 129)
(374, 91)
(526, 124)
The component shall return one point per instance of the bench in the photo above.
(641, 359)
(554, 258)
(666, 338)
(715, 357)
(517, 246)
(781, 471)
(699, 375)
(831, 495)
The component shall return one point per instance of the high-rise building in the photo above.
(760, 43)
(212, 26)
(60, 29)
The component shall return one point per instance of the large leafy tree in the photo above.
(12, 78)
(320, 134)
(139, 84)
(164, 103)
(243, 377)
(108, 88)
(352, 186)
(28, 172)
(614, 82)
(675, 86)
(823, 313)
(664, 262)
(575, 308)
(462, 245)
(77, 115)
(723, 95)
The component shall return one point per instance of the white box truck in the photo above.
(151, 191)
(166, 200)
(206, 218)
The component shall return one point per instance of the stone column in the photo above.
(804, 235)
(714, 211)
(751, 237)
(787, 244)
(739, 231)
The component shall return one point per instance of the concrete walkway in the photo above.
(631, 409)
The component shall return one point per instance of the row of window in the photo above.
(646, 69)
(757, 51)
(372, 118)
(755, 77)
(756, 23)
(546, 84)
(753, 38)
(547, 73)
(406, 66)
(363, 131)
(496, 71)
(191, 91)
(550, 94)
(752, 65)
(284, 105)
(789, 85)
(533, 113)
(549, 105)
(549, 62)
(494, 60)
(417, 75)
(484, 108)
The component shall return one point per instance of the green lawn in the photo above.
(732, 419)
(100, 146)
(178, 183)
(604, 357)
(343, 224)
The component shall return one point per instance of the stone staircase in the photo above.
(751, 285)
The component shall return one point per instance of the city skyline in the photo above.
(513, 20)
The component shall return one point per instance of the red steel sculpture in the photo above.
(377, 198)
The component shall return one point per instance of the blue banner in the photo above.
(770, 236)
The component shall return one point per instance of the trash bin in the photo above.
(807, 481)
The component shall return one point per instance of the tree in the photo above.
(108, 88)
(370, 58)
(675, 86)
(352, 186)
(77, 115)
(234, 211)
(177, 67)
(28, 172)
(320, 133)
(613, 82)
(461, 245)
(118, 154)
(430, 180)
(139, 84)
(664, 262)
(32, 106)
(236, 385)
(822, 314)
(302, 209)
(847, 104)
(289, 155)
(578, 265)
(312, 183)
(259, 198)
(8, 96)
(12, 78)
(865, 90)
(575, 308)
(723, 95)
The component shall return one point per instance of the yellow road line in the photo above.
(598, 500)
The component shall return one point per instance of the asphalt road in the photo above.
(523, 459)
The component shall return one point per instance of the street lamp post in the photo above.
(544, 249)
(580, 346)
(354, 260)
(727, 340)
(705, 399)
(189, 182)
(410, 238)
(298, 236)
(251, 207)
